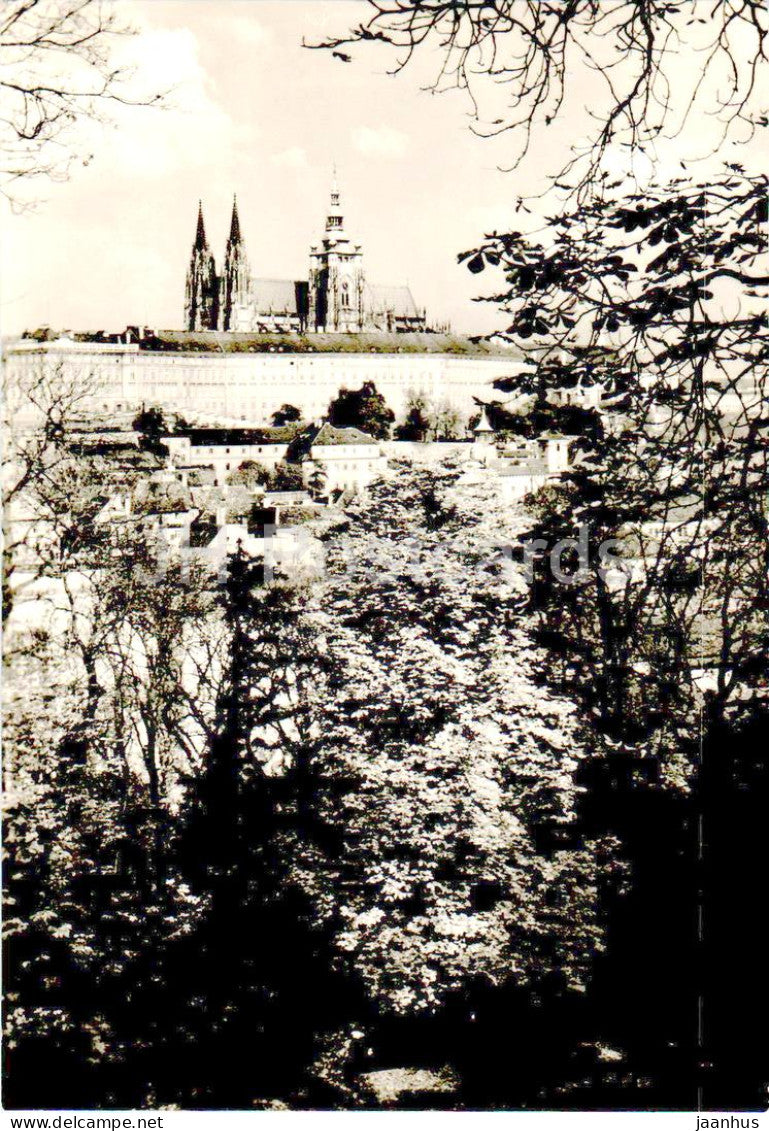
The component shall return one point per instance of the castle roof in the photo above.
(214, 341)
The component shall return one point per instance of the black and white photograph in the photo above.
(385, 560)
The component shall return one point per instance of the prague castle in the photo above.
(336, 298)
(250, 345)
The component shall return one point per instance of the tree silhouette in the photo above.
(286, 414)
(631, 295)
(362, 408)
(417, 424)
(151, 424)
(661, 630)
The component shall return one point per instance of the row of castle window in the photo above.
(333, 362)
(197, 378)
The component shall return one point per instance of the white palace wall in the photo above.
(250, 386)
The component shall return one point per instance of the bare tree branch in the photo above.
(536, 49)
(57, 71)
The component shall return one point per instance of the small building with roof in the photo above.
(522, 465)
(336, 459)
(223, 450)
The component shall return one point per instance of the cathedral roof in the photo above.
(398, 301)
(284, 296)
(278, 296)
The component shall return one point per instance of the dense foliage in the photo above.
(657, 301)
(151, 424)
(362, 408)
(290, 807)
(444, 775)
(674, 465)
(286, 414)
(427, 420)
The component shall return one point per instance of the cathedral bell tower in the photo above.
(336, 277)
(235, 297)
(201, 300)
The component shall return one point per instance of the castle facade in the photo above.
(335, 298)
(245, 378)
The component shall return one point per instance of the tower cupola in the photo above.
(335, 217)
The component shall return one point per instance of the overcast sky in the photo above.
(257, 114)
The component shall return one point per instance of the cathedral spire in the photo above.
(201, 296)
(334, 219)
(235, 222)
(200, 236)
(236, 291)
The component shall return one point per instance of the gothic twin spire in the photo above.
(201, 243)
(218, 301)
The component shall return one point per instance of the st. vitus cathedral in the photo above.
(336, 298)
